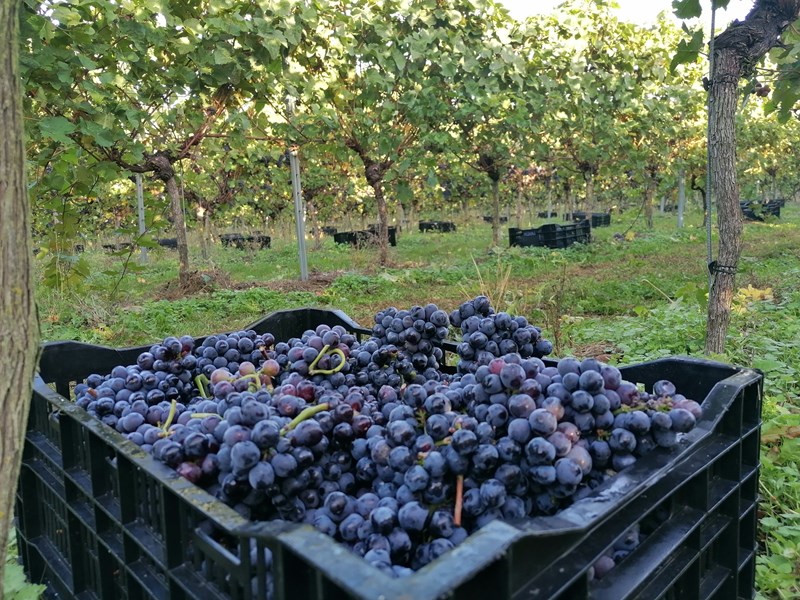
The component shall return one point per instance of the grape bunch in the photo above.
(408, 344)
(487, 334)
(229, 351)
(374, 443)
(573, 424)
(134, 395)
(322, 356)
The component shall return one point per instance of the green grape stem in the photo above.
(304, 415)
(165, 427)
(201, 381)
(312, 370)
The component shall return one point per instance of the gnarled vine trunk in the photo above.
(649, 194)
(161, 165)
(589, 179)
(374, 173)
(179, 223)
(495, 212)
(737, 50)
(19, 327)
(206, 237)
(383, 222)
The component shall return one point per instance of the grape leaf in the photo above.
(688, 50)
(57, 128)
(687, 9)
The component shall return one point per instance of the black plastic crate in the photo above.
(440, 226)
(597, 219)
(756, 211)
(117, 247)
(547, 215)
(524, 237)
(99, 518)
(243, 242)
(364, 238)
(488, 219)
(168, 243)
(551, 235)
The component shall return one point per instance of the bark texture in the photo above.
(723, 173)
(205, 246)
(180, 229)
(374, 173)
(19, 327)
(649, 194)
(490, 166)
(737, 50)
(383, 222)
(161, 165)
(681, 196)
(495, 213)
(589, 179)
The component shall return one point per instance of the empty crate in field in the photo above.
(364, 238)
(597, 219)
(757, 211)
(551, 235)
(440, 226)
(243, 242)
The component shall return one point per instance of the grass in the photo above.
(623, 298)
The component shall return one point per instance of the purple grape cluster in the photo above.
(321, 356)
(141, 394)
(487, 334)
(373, 443)
(229, 351)
(409, 345)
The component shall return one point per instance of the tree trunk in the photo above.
(774, 187)
(401, 217)
(180, 229)
(520, 197)
(662, 203)
(589, 178)
(383, 222)
(316, 232)
(570, 202)
(681, 196)
(495, 213)
(549, 201)
(18, 322)
(205, 246)
(649, 193)
(698, 197)
(722, 142)
(742, 44)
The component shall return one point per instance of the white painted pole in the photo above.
(299, 207)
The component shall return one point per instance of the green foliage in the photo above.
(687, 9)
(351, 286)
(15, 584)
(688, 49)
